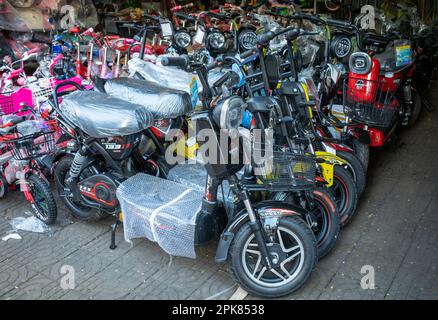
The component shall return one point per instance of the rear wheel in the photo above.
(77, 209)
(44, 205)
(293, 256)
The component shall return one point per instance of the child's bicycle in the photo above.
(23, 145)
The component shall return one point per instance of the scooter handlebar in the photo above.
(181, 61)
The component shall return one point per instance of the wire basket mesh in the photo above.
(42, 89)
(365, 102)
(32, 146)
(10, 102)
(283, 169)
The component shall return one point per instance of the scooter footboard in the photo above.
(162, 211)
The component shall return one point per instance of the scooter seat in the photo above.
(162, 102)
(100, 115)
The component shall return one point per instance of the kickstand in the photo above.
(113, 233)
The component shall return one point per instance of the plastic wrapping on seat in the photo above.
(162, 211)
(100, 115)
(162, 102)
(168, 77)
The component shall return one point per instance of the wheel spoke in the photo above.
(262, 272)
(283, 248)
(259, 259)
(253, 251)
(279, 274)
(292, 257)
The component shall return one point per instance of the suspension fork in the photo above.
(254, 221)
(79, 160)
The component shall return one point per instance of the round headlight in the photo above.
(247, 39)
(341, 47)
(228, 112)
(182, 39)
(216, 40)
(360, 63)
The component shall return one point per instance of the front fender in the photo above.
(327, 167)
(272, 209)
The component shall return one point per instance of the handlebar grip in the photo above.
(247, 54)
(338, 23)
(67, 83)
(155, 18)
(264, 38)
(184, 16)
(212, 65)
(293, 34)
(181, 61)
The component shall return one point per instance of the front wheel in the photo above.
(43, 205)
(416, 108)
(355, 168)
(293, 255)
(362, 152)
(344, 192)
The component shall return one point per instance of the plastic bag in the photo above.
(160, 101)
(166, 76)
(101, 115)
(162, 211)
(31, 224)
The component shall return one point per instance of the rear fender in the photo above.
(269, 211)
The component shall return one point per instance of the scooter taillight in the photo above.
(377, 137)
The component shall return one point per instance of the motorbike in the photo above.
(260, 261)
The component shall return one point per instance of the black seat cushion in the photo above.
(163, 103)
(100, 115)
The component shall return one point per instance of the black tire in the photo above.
(345, 194)
(325, 216)
(355, 168)
(417, 107)
(326, 212)
(362, 152)
(300, 230)
(4, 188)
(44, 206)
(77, 210)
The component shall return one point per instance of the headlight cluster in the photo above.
(182, 39)
(341, 47)
(228, 113)
(216, 40)
(247, 39)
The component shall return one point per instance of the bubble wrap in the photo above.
(162, 211)
(195, 177)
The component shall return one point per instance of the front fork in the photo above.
(254, 221)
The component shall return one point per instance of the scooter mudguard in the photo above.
(267, 210)
(328, 166)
